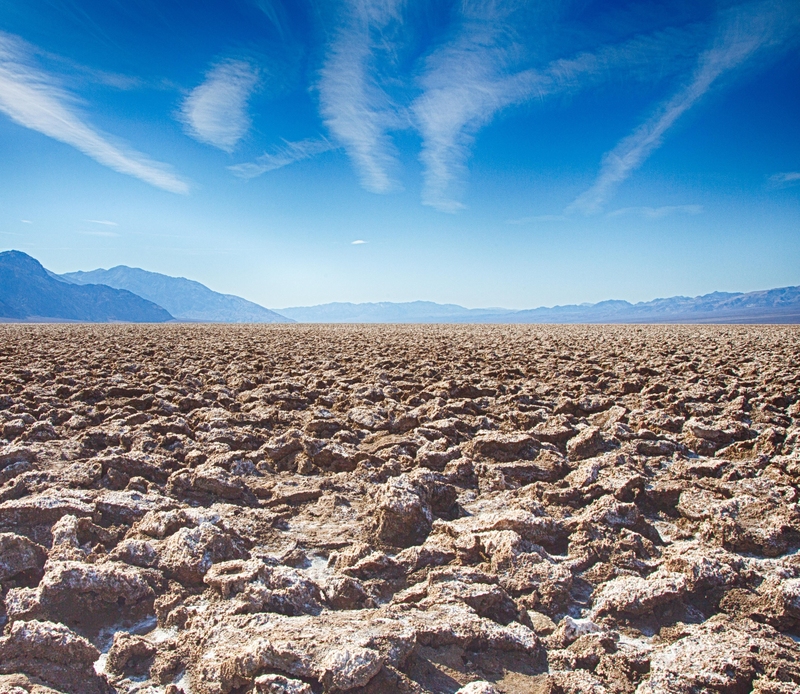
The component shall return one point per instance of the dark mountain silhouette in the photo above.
(29, 293)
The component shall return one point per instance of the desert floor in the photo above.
(297, 509)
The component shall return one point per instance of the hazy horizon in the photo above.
(505, 154)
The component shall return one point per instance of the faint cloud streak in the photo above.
(289, 153)
(32, 99)
(276, 14)
(215, 112)
(657, 212)
(357, 242)
(785, 179)
(539, 218)
(104, 222)
(104, 234)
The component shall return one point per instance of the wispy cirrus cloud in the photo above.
(356, 110)
(657, 212)
(743, 32)
(288, 153)
(104, 222)
(784, 179)
(462, 87)
(83, 74)
(215, 112)
(32, 98)
(472, 77)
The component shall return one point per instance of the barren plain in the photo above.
(294, 509)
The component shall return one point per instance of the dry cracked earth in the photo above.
(292, 509)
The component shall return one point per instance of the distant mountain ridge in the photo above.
(185, 299)
(29, 293)
(389, 312)
(769, 306)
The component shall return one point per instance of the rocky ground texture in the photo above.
(297, 510)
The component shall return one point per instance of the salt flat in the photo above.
(293, 508)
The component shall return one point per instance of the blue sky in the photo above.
(481, 152)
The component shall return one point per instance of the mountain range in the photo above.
(770, 306)
(29, 292)
(389, 312)
(186, 300)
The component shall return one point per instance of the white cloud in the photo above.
(216, 111)
(462, 87)
(105, 222)
(356, 110)
(743, 31)
(32, 99)
(471, 77)
(289, 153)
(464, 82)
(785, 178)
(358, 242)
(26, 221)
(657, 212)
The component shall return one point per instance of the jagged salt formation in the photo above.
(399, 509)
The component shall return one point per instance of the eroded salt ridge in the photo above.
(399, 509)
